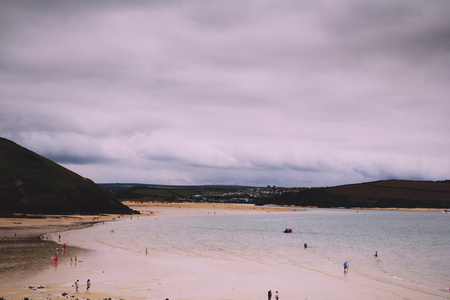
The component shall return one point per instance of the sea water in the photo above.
(413, 246)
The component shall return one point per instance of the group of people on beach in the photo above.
(269, 295)
(58, 250)
(77, 286)
(71, 260)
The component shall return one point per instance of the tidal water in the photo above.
(413, 246)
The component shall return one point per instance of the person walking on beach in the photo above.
(269, 294)
(345, 266)
(376, 254)
(276, 295)
(77, 285)
(88, 285)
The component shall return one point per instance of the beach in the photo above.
(168, 274)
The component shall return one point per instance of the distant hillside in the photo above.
(30, 183)
(113, 187)
(382, 194)
(130, 191)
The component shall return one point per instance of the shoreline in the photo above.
(278, 208)
(156, 277)
(29, 232)
(38, 225)
(35, 225)
(26, 235)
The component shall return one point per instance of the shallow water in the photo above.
(25, 258)
(413, 247)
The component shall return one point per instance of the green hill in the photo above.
(165, 193)
(30, 183)
(380, 194)
(153, 193)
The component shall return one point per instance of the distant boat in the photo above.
(287, 230)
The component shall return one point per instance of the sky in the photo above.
(285, 93)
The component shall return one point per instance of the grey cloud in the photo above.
(284, 93)
(60, 158)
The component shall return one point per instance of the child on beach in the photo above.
(88, 285)
(77, 285)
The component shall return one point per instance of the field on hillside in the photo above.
(397, 189)
(161, 193)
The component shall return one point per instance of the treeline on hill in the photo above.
(381, 194)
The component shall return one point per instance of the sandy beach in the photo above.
(118, 276)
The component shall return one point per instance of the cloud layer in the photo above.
(290, 93)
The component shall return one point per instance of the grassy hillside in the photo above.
(161, 193)
(397, 189)
(30, 183)
(382, 194)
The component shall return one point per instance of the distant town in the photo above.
(251, 195)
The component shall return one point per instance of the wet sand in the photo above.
(147, 277)
(25, 254)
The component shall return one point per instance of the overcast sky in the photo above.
(285, 93)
